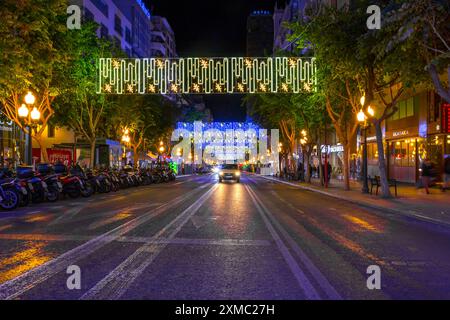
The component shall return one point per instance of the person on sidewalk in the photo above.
(427, 173)
(446, 175)
(329, 169)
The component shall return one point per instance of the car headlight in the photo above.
(221, 173)
(237, 173)
(215, 170)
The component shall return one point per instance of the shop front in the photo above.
(405, 151)
(12, 144)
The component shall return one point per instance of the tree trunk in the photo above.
(346, 164)
(135, 157)
(44, 155)
(308, 167)
(386, 193)
(92, 155)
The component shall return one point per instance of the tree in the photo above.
(81, 108)
(365, 63)
(33, 48)
(324, 35)
(424, 24)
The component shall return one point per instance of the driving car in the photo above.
(229, 172)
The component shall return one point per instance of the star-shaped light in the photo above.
(130, 88)
(218, 87)
(204, 64)
(116, 64)
(240, 87)
(152, 88)
(196, 87)
(174, 87)
(108, 87)
(262, 87)
(284, 87)
(292, 63)
(307, 87)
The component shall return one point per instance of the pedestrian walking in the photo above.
(427, 173)
(446, 175)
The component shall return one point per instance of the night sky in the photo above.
(212, 28)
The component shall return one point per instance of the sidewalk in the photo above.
(412, 202)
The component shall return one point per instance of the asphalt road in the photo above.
(197, 239)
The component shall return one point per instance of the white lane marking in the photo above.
(297, 272)
(13, 288)
(34, 212)
(132, 239)
(315, 272)
(117, 282)
(65, 216)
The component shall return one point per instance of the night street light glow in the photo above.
(206, 75)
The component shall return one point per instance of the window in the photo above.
(128, 35)
(103, 31)
(101, 5)
(118, 25)
(50, 131)
(88, 15)
(405, 108)
(403, 153)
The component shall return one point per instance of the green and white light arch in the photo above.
(206, 75)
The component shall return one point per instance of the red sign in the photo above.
(446, 117)
(54, 155)
(59, 156)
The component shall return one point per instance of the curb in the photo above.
(365, 204)
(183, 175)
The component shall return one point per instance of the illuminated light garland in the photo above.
(206, 75)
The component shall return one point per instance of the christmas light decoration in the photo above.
(206, 75)
(220, 142)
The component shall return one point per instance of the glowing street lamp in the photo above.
(35, 114)
(361, 116)
(30, 98)
(362, 100)
(362, 119)
(23, 111)
(30, 119)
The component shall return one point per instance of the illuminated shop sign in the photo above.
(446, 117)
(400, 133)
(332, 149)
(206, 75)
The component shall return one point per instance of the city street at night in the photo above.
(226, 159)
(198, 239)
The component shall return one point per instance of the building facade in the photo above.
(162, 38)
(260, 34)
(113, 22)
(293, 11)
(140, 35)
(418, 130)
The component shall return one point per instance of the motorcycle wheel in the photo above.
(11, 200)
(74, 193)
(87, 191)
(25, 199)
(38, 196)
(52, 195)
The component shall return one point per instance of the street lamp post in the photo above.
(31, 118)
(362, 118)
